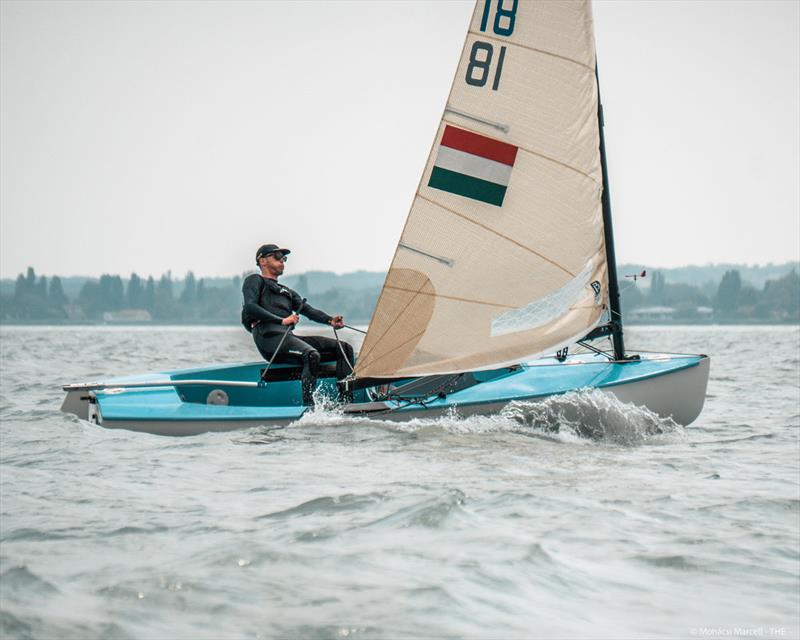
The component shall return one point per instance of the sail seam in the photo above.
(530, 151)
(558, 162)
(542, 51)
(497, 233)
(457, 298)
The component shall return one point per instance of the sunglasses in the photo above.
(280, 257)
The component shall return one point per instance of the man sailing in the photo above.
(273, 311)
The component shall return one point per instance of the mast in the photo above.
(608, 233)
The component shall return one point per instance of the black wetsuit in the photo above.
(267, 303)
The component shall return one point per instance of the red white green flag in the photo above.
(473, 166)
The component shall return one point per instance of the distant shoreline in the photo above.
(358, 323)
(764, 295)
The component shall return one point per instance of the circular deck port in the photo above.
(217, 396)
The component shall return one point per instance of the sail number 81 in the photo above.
(480, 57)
(480, 62)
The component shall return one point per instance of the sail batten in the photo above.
(495, 125)
(502, 257)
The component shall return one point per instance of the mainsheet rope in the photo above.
(341, 348)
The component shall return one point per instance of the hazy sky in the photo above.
(179, 135)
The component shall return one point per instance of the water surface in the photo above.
(339, 528)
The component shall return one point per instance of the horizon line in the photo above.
(795, 262)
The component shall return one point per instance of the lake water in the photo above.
(453, 528)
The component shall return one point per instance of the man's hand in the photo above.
(337, 322)
(290, 320)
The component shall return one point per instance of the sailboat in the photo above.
(505, 263)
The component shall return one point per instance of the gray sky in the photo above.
(179, 135)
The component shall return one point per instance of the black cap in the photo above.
(266, 249)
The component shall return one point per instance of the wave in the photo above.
(680, 562)
(593, 415)
(22, 579)
(326, 504)
(38, 535)
(586, 415)
(430, 512)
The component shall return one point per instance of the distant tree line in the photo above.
(39, 299)
(36, 299)
(731, 300)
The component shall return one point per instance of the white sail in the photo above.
(502, 256)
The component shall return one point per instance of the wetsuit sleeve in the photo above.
(308, 311)
(251, 290)
(315, 314)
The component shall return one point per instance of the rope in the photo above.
(341, 348)
(347, 326)
(289, 328)
(420, 400)
(274, 355)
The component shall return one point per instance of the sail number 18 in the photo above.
(503, 17)
(480, 57)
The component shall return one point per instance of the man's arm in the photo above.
(251, 290)
(337, 322)
(303, 308)
(315, 314)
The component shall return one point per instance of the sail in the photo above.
(502, 256)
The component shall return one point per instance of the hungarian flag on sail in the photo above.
(473, 166)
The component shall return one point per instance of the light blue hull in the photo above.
(670, 385)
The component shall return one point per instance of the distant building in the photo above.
(74, 313)
(649, 314)
(127, 316)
